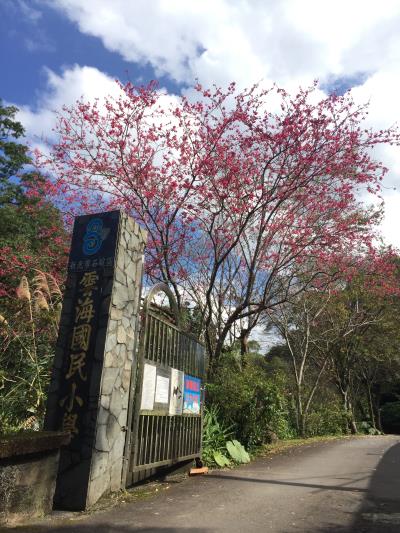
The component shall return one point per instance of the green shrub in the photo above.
(251, 401)
(218, 449)
(366, 428)
(326, 418)
(215, 436)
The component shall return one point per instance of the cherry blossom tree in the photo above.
(238, 190)
(32, 235)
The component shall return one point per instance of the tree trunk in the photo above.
(244, 343)
(244, 346)
(352, 421)
(370, 406)
(303, 426)
(377, 408)
(300, 416)
(348, 407)
(378, 418)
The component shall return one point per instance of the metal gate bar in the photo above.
(155, 438)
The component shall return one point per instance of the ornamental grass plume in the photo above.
(47, 296)
(4, 327)
(30, 423)
(47, 284)
(53, 285)
(23, 290)
(40, 301)
(40, 283)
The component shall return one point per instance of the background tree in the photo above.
(342, 333)
(363, 339)
(236, 196)
(296, 321)
(32, 233)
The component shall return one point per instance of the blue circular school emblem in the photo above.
(93, 238)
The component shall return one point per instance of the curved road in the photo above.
(349, 485)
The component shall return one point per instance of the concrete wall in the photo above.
(28, 471)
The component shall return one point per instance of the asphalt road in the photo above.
(350, 485)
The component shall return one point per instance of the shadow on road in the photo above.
(380, 510)
(293, 483)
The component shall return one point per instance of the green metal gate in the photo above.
(156, 437)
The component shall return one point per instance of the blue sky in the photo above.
(34, 36)
(54, 51)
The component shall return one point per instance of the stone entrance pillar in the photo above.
(95, 356)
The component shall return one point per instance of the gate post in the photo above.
(95, 354)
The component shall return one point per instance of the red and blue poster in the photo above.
(191, 395)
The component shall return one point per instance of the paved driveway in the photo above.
(349, 485)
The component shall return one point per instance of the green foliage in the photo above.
(237, 451)
(249, 400)
(216, 442)
(32, 234)
(27, 338)
(215, 435)
(16, 182)
(33, 244)
(191, 320)
(13, 155)
(326, 418)
(366, 428)
(221, 460)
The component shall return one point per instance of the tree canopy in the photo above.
(32, 233)
(239, 191)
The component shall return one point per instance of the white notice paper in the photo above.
(162, 390)
(149, 387)
(176, 392)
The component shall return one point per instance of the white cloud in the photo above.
(225, 40)
(290, 42)
(390, 226)
(381, 90)
(64, 89)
